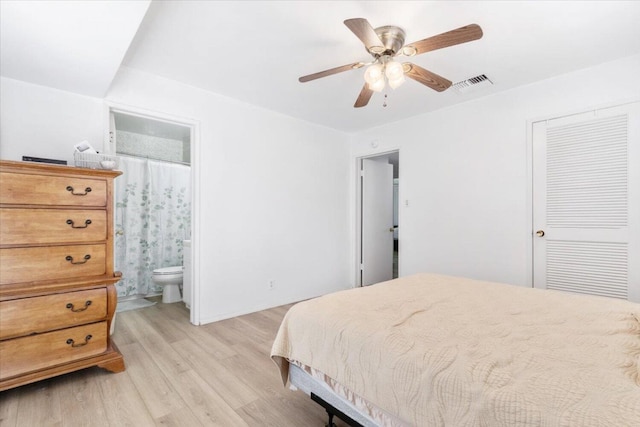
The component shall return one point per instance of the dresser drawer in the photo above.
(27, 354)
(28, 316)
(18, 265)
(41, 226)
(23, 189)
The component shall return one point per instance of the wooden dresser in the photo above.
(57, 293)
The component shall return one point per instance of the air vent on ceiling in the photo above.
(473, 82)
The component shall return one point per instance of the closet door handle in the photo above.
(77, 310)
(71, 223)
(70, 259)
(72, 343)
(86, 191)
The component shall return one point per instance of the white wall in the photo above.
(39, 121)
(273, 198)
(277, 194)
(273, 190)
(464, 172)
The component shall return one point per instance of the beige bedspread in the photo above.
(445, 351)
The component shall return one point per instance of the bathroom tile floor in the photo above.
(177, 374)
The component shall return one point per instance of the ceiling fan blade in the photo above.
(427, 78)
(364, 97)
(365, 32)
(331, 71)
(450, 38)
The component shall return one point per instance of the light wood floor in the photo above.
(176, 374)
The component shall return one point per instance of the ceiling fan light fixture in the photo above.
(374, 73)
(393, 70)
(377, 86)
(394, 83)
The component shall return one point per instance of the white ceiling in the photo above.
(70, 45)
(255, 51)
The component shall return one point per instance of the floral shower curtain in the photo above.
(153, 217)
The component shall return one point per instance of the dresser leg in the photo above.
(115, 365)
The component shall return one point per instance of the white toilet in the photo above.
(171, 279)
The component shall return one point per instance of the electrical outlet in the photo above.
(272, 284)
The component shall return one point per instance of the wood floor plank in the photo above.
(256, 327)
(266, 321)
(155, 389)
(210, 343)
(123, 329)
(82, 399)
(277, 412)
(153, 341)
(177, 374)
(182, 418)
(256, 369)
(157, 319)
(206, 340)
(232, 331)
(9, 403)
(176, 314)
(223, 332)
(123, 404)
(205, 403)
(176, 311)
(259, 357)
(262, 385)
(39, 404)
(281, 310)
(232, 389)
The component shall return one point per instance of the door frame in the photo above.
(357, 274)
(529, 168)
(194, 126)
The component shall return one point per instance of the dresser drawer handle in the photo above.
(70, 259)
(76, 310)
(73, 344)
(86, 224)
(86, 191)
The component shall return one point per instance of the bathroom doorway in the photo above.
(153, 200)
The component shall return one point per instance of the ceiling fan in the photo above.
(385, 43)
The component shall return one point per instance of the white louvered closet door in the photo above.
(586, 201)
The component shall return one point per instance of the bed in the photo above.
(434, 350)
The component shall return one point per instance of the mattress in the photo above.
(436, 350)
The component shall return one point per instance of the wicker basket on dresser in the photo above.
(57, 293)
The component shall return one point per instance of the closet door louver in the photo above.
(582, 193)
(588, 267)
(587, 174)
(587, 188)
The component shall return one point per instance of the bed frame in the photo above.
(333, 411)
(335, 405)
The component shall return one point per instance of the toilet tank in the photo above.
(186, 275)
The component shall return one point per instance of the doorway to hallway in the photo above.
(377, 218)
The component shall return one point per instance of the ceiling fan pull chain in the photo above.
(384, 104)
